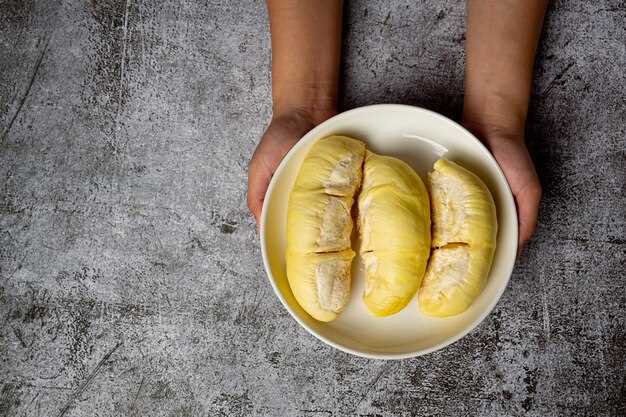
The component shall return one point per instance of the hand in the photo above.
(306, 48)
(514, 160)
(500, 46)
(282, 133)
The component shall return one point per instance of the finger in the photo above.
(258, 181)
(528, 208)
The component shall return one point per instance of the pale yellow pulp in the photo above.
(319, 225)
(394, 225)
(464, 240)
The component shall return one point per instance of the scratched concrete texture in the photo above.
(131, 280)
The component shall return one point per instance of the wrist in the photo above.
(495, 111)
(495, 116)
(317, 102)
(494, 132)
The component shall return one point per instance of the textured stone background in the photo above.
(130, 273)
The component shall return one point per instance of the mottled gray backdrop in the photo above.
(130, 274)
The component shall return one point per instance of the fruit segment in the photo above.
(318, 222)
(391, 280)
(464, 239)
(394, 225)
(462, 208)
(319, 225)
(333, 166)
(455, 276)
(320, 282)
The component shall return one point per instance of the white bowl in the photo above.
(418, 137)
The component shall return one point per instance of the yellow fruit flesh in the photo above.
(455, 276)
(464, 239)
(394, 224)
(320, 282)
(462, 207)
(319, 225)
(318, 222)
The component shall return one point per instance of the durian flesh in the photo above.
(319, 226)
(464, 238)
(394, 225)
(320, 282)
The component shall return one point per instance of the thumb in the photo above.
(258, 181)
(527, 207)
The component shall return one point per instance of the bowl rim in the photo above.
(364, 354)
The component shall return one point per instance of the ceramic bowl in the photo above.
(418, 137)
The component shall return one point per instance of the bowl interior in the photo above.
(418, 137)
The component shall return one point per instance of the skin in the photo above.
(306, 49)
(502, 38)
(500, 47)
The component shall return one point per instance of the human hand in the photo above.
(306, 47)
(282, 133)
(509, 150)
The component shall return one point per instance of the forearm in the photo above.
(501, 41)
(306, 48)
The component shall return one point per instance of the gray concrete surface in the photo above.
(130, 273)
